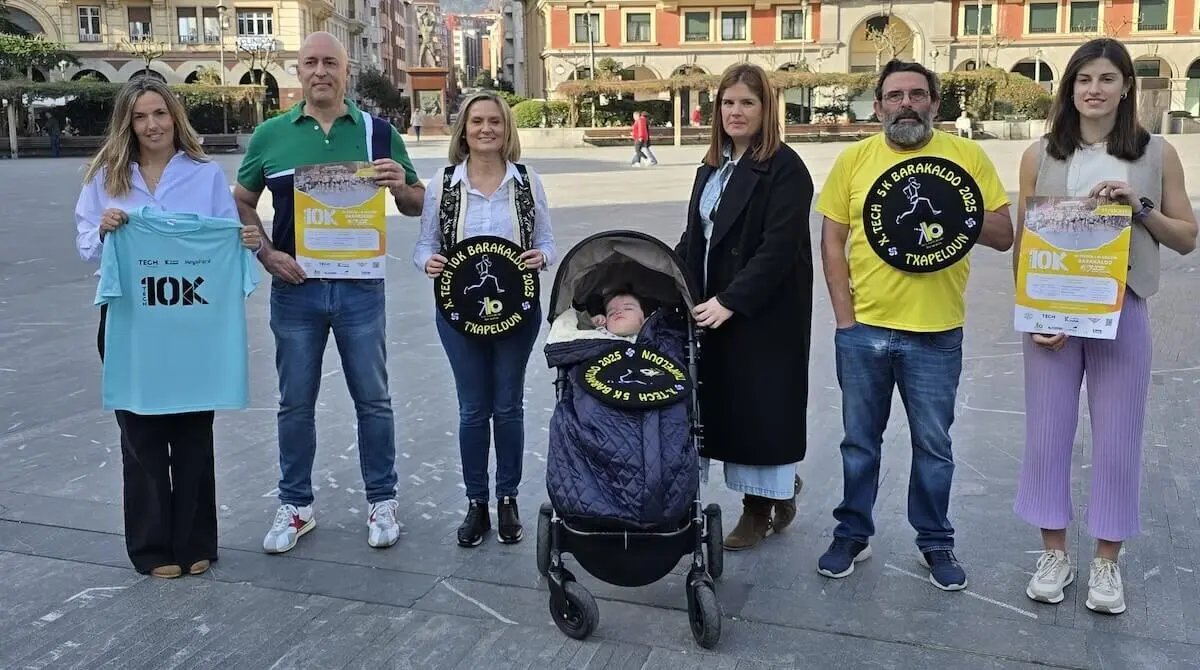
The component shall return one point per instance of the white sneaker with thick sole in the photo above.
(382, 528)
(1053, 575)
(1106, 594)
(291, 523)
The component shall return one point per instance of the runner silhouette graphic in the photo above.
(912, 192)
(484, 268)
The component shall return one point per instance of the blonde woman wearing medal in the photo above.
(489, 375)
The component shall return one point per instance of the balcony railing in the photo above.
(88, 37)
(1035, 30)
(193, 38)
(1145, 25)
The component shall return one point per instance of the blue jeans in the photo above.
(302, 317)
(490, 380)
(925, 367)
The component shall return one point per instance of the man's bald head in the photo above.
(323, 69)
(324, 42)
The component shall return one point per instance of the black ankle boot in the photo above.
(476, 524)
(509, 521)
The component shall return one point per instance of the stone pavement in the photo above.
(69, 599)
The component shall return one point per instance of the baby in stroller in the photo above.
(616, 462)
(622, 472)
(621, 314)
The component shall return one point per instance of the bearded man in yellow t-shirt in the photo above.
(912, 201)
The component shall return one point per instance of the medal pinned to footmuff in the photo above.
(635, 376)
(923, 214)
(486, 291)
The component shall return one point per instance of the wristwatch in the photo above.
(1147, 205)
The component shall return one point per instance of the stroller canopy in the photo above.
(616, 259)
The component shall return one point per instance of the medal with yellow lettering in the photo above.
(485, 290)
(923, 214)
(635, 376)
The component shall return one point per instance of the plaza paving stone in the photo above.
(68, 598)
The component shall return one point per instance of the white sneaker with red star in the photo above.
(290, 524)
(382, 528)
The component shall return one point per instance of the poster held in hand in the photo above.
(1073, 264)
(341, 221)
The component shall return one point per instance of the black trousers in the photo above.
(170, 497)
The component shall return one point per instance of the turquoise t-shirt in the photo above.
(175, 334)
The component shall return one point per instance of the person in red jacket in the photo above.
(641, 139)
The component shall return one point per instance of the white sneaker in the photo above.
(1053, 574)
(290, 524)
(382, 528)
(1105, 592)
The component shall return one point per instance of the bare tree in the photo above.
(145, 50)
(892, 41)
(259, 54)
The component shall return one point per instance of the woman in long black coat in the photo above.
(748, 244)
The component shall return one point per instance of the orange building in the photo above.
(655, 39)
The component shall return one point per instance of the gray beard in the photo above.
(906, 135)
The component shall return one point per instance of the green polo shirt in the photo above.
(292, 139)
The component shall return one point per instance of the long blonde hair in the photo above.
(121, 146)
(511, 151)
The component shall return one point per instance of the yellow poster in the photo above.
(341, 221)
(1072, 268)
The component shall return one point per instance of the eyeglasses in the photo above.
(917, 95)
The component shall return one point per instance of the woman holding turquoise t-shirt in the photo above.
(152, 157)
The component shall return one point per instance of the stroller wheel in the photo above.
(577, 614)
(543, 539)
(705, 614)
(715, 550)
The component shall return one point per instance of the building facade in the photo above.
(656, 39)
(229, 37)
(511, 63)
(399, 28)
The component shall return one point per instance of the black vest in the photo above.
(453, 208)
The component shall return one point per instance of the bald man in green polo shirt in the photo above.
(325, 128)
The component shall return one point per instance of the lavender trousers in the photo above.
(1118, 380)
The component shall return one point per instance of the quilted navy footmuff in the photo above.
(611, 468)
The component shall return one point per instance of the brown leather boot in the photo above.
(753, 526)
(785, 510)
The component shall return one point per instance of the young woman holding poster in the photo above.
(484, 193)
(747, 244)
(153, 158)
(1095, 147)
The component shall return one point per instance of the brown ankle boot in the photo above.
(753, 526)
(785, 510)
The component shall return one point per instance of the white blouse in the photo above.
(1090, 165)
(186, 186)
(485, 215)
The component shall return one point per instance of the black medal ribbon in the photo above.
(923, 214)
(486, 291)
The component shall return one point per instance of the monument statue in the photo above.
(428, 38)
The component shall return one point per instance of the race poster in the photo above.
(1072, 268)
(341, 221)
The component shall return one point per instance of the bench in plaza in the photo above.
(88, 145)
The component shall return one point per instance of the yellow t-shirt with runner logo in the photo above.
(883, 295)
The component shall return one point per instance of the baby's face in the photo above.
(624, 316)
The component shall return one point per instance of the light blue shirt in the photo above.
(175, 336)
(710, 200)
(485, 215)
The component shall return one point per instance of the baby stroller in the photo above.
(623, 467)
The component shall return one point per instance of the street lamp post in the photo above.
(591, 55)
(221, 9)
(978, 34)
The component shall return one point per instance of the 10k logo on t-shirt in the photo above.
(166, 291)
